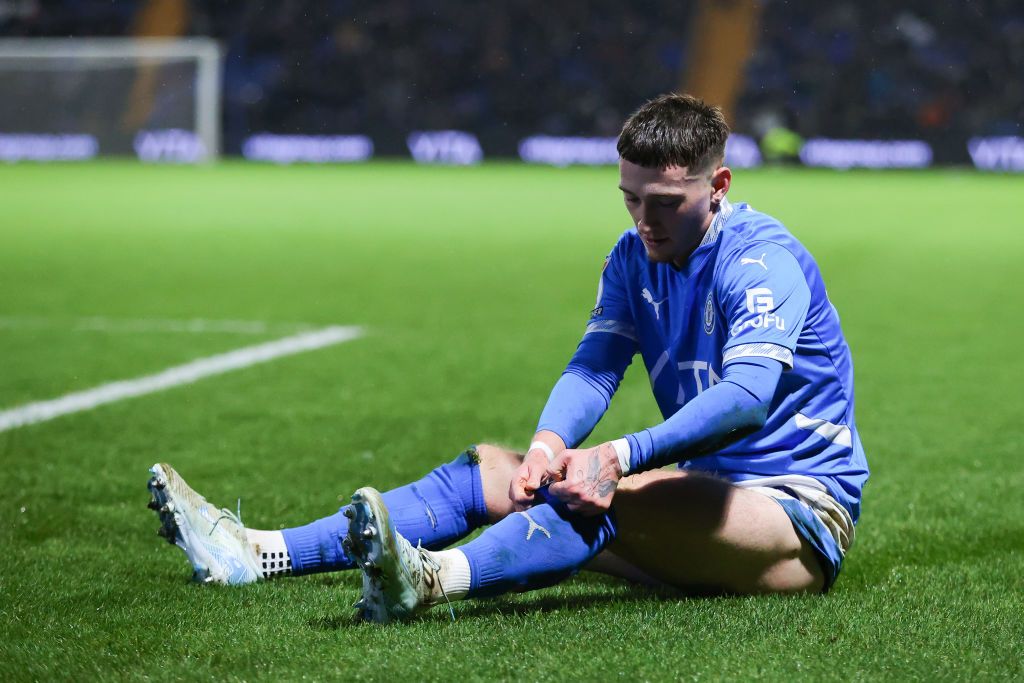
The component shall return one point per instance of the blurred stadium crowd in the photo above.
(850, 69)
(942, 72)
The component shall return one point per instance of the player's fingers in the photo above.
(534, 480)
(523, 474)
(556, 469)
(579, 505)
(582, 508)
(563, 491)
(518, 492)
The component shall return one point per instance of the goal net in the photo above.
(77, 98)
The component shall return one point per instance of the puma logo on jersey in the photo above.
(534, 527)
(649, 298)
(759, 261)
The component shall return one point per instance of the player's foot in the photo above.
(214, 540)
(398, 579)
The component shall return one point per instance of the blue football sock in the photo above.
(437, 510)
(535, 549)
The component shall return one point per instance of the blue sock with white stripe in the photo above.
(437, 510)
(534, 549)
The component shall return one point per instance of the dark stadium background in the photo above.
(939, 72)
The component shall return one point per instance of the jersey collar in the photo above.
(699, 255)
(724, 212)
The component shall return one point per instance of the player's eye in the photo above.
(631, 200)
(670, 202)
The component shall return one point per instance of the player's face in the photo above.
(671, 207)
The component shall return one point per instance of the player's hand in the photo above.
(585, 480)
(530, 476)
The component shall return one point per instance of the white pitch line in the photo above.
(160, 325)
(41, 411)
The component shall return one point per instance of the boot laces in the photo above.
(427, 559)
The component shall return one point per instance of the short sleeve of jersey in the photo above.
(764, 297)
(612, 313)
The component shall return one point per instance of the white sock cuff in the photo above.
(271, 552)
(455, 574)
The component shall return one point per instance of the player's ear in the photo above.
(721, 179)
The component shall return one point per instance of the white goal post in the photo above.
(159, 98)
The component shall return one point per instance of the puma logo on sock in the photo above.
(534, 527)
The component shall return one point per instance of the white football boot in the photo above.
(398, 578)
(213, 539)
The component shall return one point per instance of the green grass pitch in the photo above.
(474, 285)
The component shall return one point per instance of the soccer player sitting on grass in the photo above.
(749, 367)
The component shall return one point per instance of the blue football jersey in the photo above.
(749, 290)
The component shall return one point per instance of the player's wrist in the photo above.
(542, 448)
(622, 451)
(641, 451)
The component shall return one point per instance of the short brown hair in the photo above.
(674, 130)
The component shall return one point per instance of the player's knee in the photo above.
(497, 466)
(792, 577)
(796, 569)
(496, 458)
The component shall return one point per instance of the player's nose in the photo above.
(649, 219)
(647, 225)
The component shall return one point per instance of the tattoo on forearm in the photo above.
(594, 483)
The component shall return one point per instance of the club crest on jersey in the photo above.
(709, 314)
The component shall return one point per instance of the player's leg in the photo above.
(705, 535)
(524, 551)
(692, 532)
(437, 510)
